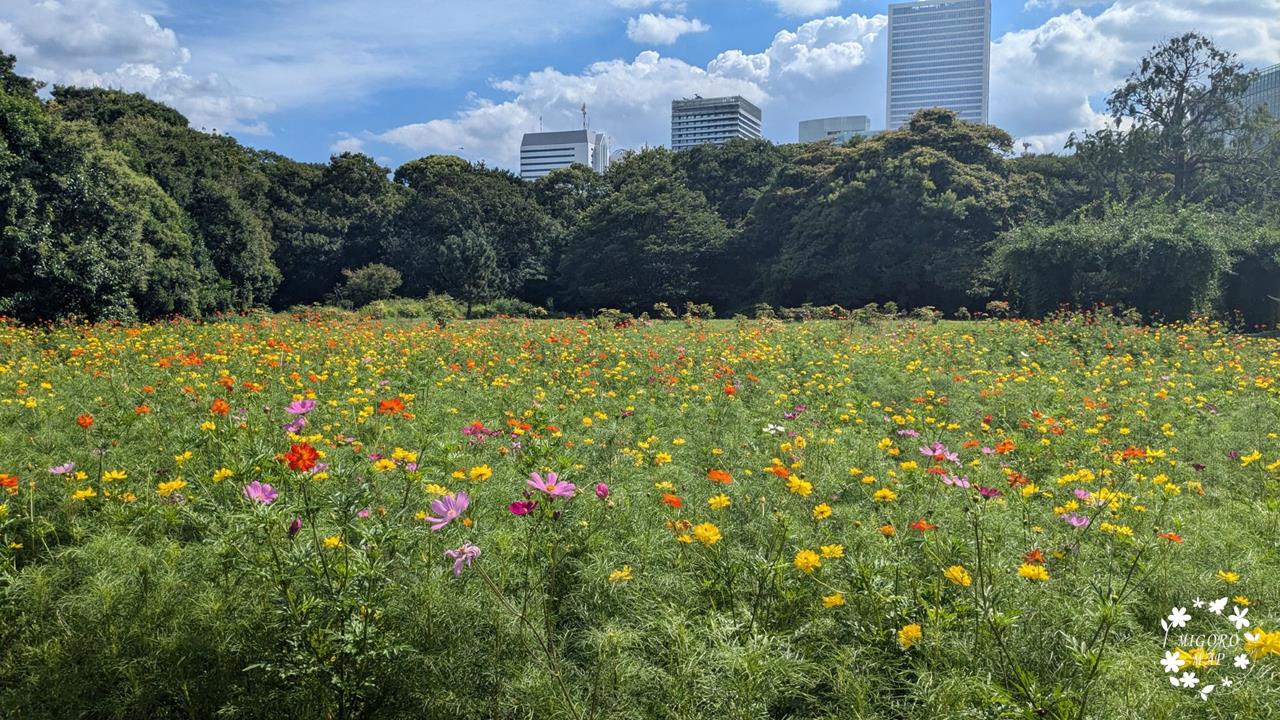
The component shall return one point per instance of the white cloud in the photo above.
(1051, 80)
(805, 8)
(662, 29)
(118, 44)
(820, 68)
(346, 143)
(663, 5)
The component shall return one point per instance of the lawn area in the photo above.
(562, 519)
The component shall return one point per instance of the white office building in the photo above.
(713, 120)
(939, 56)
(541, 153)
(835, 129)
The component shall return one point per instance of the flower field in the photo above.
(560, 519)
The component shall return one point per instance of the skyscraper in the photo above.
(939, 56)
(835, 129)
(713, 120)
(1265, 91)
(543, 152)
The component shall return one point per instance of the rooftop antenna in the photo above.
(539, 123)
(584, 116)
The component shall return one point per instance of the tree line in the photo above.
(114, 208)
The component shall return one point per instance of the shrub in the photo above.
(438, 308)
(1161, 261)
(370, 283)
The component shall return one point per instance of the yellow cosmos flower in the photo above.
(806, 561)
(333, 542)
(821, 511)
(707, 533)
(719, 502)
(909, 635)
(884, 495)
(832, 551)
(165, 489)
(1228, 576)
(1035, 573)
(835, 600)
(796, 486)
(958, 575)
(621, 575)
(480, 473)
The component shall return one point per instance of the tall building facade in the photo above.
(835, 129)
(939, 56)
(713, 120)
(1265, 91)
(541, 153)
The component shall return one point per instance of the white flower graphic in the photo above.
(1226, 682)
(1238, 618)
(1242, 661)
(1204, 692)
(1172, 662)
(1189, 680)
(1198, 603)
(1217, 606)
(1178, 617)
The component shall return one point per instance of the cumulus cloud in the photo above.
(1050, 80)
(116, 44)
(662, 29)
(664, 5)
(346, 143)
(819, 68)
(805, 8)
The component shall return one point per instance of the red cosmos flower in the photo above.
(85, 421)
(1035, 557)
(672, 500)
(220, 407)
(719, 476)
(9, 483)
(923, 525)
(392, 406)
(301, 457)
(730, 390)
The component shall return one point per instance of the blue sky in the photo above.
(402, 78)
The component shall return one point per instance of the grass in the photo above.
(771, 539)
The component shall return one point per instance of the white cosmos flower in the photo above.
(1178, 617)
(1172, 662)
(1238, 617)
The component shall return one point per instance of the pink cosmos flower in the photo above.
(300, 407)
(1075, 520)
(551, 486)
(960, 481)
(522, 507)
(63, 469)
(602, 491)
(988, 492)
(448, 508)
(462, 556)
(295, 527)
(260, 492)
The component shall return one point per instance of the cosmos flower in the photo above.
(462, 556)
(300, 407)
(260, 492)
(447, 509)
(551, 485)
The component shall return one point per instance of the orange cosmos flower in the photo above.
(672, 500)
(923, 525)
(301, 457)
(392, 406)
(85, 421)
(719, 476)
(220, 407)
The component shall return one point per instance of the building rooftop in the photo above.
(555, 138)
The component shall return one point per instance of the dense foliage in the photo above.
(340, 518)
(114, 208)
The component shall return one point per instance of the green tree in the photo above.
(372, 282)
(468, 269)
(83, 234)
(646, 241)
(1174, 118)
